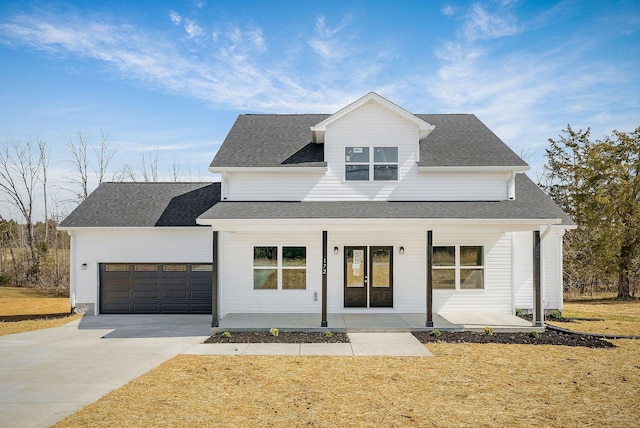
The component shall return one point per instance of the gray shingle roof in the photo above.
(531, 203)
(144, 205)
(463, 140)
(271, 140)
(267, 140)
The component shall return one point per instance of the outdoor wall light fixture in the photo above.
(83, 266)
(401, 250)
(336, 250)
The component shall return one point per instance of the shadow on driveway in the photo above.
(145, 326)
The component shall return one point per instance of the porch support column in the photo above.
(429, 322)
(323, 322)
(538, 318)
(214, 282)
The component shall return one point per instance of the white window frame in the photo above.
(279, 267)
(371, 163)
(457, 268)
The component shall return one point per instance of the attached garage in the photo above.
(150, 288)
(136, 249)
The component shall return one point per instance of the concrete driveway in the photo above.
(46, 375)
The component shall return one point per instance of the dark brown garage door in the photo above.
(163, 288)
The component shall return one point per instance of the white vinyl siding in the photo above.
(523, 269)
(496, 296)
(551, 252)
(237, 282)
(133, 245)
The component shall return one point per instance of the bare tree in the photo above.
(44, 162)
(80, 162)
(19, 175)
(175, 172)
(149, 165)
(103, 156)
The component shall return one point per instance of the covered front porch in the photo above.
(368, 322)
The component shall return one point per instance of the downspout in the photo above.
(72, 271)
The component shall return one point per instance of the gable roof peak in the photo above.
(318, 131)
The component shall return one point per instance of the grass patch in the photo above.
(620, 316)
(464, 385)
(38, 306)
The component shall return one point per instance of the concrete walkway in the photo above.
(361, 345)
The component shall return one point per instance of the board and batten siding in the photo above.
(409, 271)
(373, 126)
(131, 245)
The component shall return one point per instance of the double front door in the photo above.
(368, 277)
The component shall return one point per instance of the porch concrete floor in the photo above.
(379, 322)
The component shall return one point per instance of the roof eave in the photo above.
(270, 169)
(475, 168)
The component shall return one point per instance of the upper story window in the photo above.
(358, 165)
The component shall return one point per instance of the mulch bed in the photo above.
(283, 337)
(549, 337)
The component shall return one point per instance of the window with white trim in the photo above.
(458, 267)
(279, 268)
(358, 165)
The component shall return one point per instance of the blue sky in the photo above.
(173, 76)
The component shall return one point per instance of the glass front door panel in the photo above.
(381, 266)
(356, 269)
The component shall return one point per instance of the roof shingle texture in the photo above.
(531, 203)
(144, 205)
(271, 140)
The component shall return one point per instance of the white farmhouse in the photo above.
(369, 210)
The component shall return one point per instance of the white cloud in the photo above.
(326, 42)
(448, 10)
(175, 17)
(481, 24)
(193, 29)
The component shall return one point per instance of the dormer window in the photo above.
(358, 166)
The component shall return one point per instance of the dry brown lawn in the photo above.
(463, 385)
(621, 317)
(475, 385)
(16, 301)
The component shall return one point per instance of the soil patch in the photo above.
(547, 338)
(282, 337)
